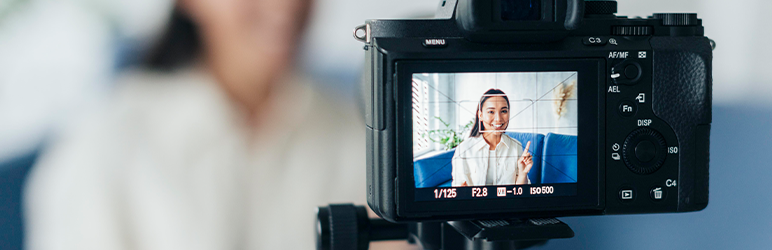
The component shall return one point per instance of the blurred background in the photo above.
(59, 59)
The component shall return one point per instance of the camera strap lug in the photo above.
(364, 30)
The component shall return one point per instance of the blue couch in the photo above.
(559, 159)
(554, 157)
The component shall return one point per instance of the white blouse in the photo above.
(171, 164)
(472, 160)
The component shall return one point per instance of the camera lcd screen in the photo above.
(494, 135)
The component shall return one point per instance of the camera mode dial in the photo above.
(644, 151)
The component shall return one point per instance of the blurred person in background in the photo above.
(217, 143)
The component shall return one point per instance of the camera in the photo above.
(536, 108)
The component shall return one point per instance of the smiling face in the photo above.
(494, 115)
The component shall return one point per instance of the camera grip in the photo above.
(682, 96)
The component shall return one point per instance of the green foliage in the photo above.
(447, 136)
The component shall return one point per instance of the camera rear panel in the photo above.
(649, 98)
(641, 151)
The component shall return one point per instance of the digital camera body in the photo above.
(637, 129)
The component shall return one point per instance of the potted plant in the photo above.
(447, 136)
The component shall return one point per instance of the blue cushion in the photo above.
(433, 169)
(536, 149)
(559, 160)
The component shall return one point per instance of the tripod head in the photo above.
(347, 227)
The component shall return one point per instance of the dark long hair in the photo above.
(179, 45)
(476, 129)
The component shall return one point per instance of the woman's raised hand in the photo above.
(526, 161)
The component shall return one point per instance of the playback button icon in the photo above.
(626, 194)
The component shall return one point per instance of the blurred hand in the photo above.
(393, 245)
(526, 161)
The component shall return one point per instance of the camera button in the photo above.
(632, 71)
(627, 72)
(645, 151)
(626, 194)
(627, 109)
(435, 43)
(594, 41)
(657, 193)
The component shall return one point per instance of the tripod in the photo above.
(347, 227)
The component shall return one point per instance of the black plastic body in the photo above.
(481, 21)
(675, 77)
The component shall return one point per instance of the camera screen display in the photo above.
(494, 135)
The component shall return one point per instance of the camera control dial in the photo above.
(631, 30)
(677, 19)
(644, 151)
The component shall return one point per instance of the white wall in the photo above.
(531, 97)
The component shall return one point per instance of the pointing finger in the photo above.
(527, 145)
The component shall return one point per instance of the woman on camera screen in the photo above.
(489, 156)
